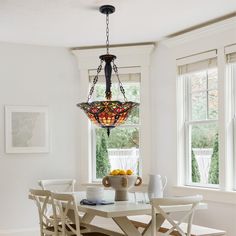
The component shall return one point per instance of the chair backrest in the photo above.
(63, 203)
(42, 198)
(58, 185)
(191, 203)
(140, 193)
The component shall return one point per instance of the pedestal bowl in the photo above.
(121, 184)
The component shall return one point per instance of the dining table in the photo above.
(120, 214)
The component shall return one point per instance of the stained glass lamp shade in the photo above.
(107, 114)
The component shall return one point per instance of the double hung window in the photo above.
(200, 122)
(121, 149)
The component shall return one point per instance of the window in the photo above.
(200, 121)
(132, 60)
(121, 149)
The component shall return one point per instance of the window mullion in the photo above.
(201, 122)
(203, 90)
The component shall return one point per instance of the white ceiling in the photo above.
(78, 22)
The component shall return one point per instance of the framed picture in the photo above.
(26, 129)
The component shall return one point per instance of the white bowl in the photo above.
(94, 193)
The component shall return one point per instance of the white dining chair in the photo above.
(65, 204)
(139, 193)
(58, 185)
(191, 203)
(48, 225)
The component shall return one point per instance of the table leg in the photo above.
(148, 230)
(87, 218)
(126, 226)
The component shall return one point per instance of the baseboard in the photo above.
(20, 232)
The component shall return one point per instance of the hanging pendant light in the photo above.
(107, 114)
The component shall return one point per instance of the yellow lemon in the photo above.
(115, 172)
(122, 172)
(129, 172)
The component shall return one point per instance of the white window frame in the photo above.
(187, 107)
(127, 56)
(129, 70)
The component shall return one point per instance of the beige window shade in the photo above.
(230, 52)
(230, 49)
(197, 62)
(231, 58)
(198, 66)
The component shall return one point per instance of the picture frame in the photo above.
(26, 129)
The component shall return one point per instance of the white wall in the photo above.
(164, 120)
(31, 75)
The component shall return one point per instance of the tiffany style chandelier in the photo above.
(108, 113)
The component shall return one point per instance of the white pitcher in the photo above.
(156, 186)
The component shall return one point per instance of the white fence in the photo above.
(203, 157)
(124, 159)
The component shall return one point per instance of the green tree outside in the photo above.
(195, 170)
(102, 161)
(214, 168)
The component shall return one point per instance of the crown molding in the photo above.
(218, 27)
(127, 56)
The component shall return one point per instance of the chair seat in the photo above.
(143, 220)
(197, 230)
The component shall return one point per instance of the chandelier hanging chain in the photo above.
(107, 32)
(118, 77)
(95, 80)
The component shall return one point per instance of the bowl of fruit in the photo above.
(121, 181)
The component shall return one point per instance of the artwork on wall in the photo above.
(26, 129)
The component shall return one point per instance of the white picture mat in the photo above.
(26, 129)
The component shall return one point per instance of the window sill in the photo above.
(211, 195)
(97, 183)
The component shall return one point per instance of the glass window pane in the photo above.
(213, 104)
(212, 79)
(198, 81)
(99, 93)
(199, 106)
(132, 92)
(119, 151)
(204, 153)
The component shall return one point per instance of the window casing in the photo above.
(200, 123)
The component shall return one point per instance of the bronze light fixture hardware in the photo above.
(108, 113)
